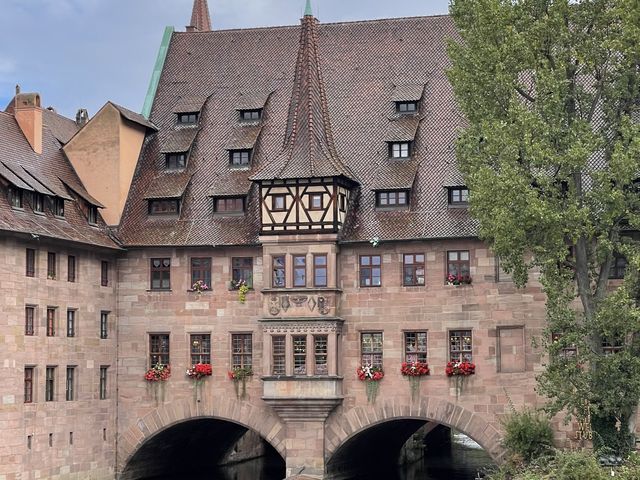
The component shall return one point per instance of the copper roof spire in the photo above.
(200, 19)
(309, 150)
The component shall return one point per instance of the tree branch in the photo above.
(525, 95)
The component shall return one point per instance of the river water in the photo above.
(461, 460)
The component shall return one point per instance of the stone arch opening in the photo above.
(196, 448)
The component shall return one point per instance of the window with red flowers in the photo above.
(415, 347)
(158, 349)
(458, 264)
(371, 348)
(200, 348)
(460, 346)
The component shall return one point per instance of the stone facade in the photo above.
(57, 439)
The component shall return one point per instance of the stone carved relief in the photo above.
(284, 301)
(303, 327)
(299, 300)
(312, 304)
(323, 305)
(274, 306)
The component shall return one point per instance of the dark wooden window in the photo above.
(175, 161)
(568, 351)
(299, 271)
(278, 357)
(71, 323)
(400, 149)
(38, 203)
(612, 345)
(278, 203)
(104, 325)
(51, 266)
(406, 107)
(71, 268)
(320, 352)
(240, 158)
(250, 115)
(30, 270)
(190, 118)
(158, 349)
(16, 197)
(93, 215)
(28, 384)
(242, 350)
(104, 370)
(201, 270)
(458, 263)
(413, 269)
(279, 271)
(458, 196)
(200, 348)
(58, 207)
(242, 270)
(371, 348)
(618, 267)
(299, 354)
(29, 320)
(393, 199)
(415, 347)
(160, 273)
(167, 206)
(370, 271)
(316, 201)
(343, 202)
(229, 205)
(320, 270)
(51, 322)
(104, 273)
(70, 393)
(50, 384)
(460, 346)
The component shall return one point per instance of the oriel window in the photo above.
(321, 351)
(299, 354)
(278, 356)
(279, 272)
(320, 270)
(299, 271)
(160, 273)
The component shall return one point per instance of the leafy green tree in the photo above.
(551, 155)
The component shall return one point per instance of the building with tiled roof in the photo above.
(288, 211)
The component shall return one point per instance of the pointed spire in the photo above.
(309, 150)
(200, 19)
(308, 11)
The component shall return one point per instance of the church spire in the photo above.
(309, 150)
(200, 19)
(308, 12)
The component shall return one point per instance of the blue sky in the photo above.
(81, 53)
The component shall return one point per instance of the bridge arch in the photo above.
(344, 426)
(180, 413)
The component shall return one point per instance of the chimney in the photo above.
(82, 117)
(29, 117)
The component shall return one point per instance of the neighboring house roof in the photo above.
(134, 117)
(62, 128)
(48, 173)
(357, 71)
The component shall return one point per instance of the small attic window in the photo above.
(58, 207)
(190, 118)
(175, 161)
(250, 115)
(406, 107)
(16, 197)
(164, 206)
(229, 205)
(392, 199)
(93, 215)
(399, 149)
(458, 196)
(239, 158)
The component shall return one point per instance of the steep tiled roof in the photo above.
(243, 138)
(364, 66)
(168, 186)
(179, 140)
(134, 117)
(48, 173)
(402, 129)
(190, 104)
(407, 93)
(62, 128)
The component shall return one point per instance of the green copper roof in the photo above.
(308, 11)
(157, 71)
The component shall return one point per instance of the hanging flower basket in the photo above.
(458, 279)
(155, 377)
(242, 288)
(200, 286)
(198, 373)
(414, 371)
(459, 371)
(239, 375)
(371, 376)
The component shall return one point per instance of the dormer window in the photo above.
(38, 203)
(279, 203)
(93, 215)
(458, 196)
(239, 158)
(392, 199)
(16, 197)
(406, 107)
(228, 205)
(250, 115)
(58, 207)
(399, 149)
(316, 201)
(164, 206)
(175, 161)
(190, 118)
